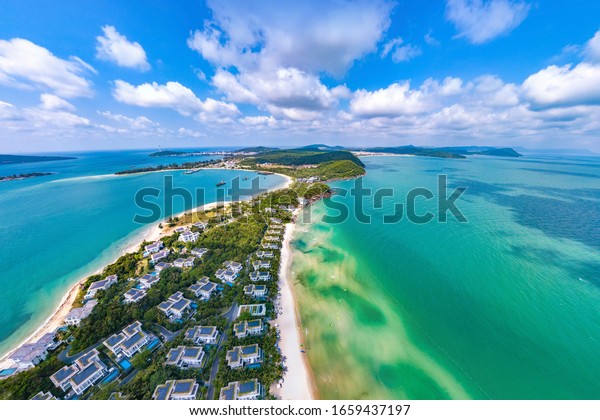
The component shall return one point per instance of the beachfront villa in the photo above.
(255, 290)
(246, 390)
(261, 264)
(147, 281)
(200, 225)
(181, 229)
(236, 267)
(176, 306)
(189, 236)
(186, 357)
(161, 255)
(43, 396)
(203, 288)
(270, 245)
(265, 254)
(241, 356)
(183, 389)
(82, 374)
(184, 262)
(161, 266)
(275, 221)
(134, 295)
(29, 355)
(202, 335)
(96, 286)
(153, 248)
(75, 315)
(260, 276)
(259, 309)
(199, 252)
(229, 274)
(246, 328)
(272, 238)
(127, 342)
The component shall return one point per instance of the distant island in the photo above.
(460, 152)
(23, 176)
(8, 159)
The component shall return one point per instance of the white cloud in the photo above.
(259, 120)
(186, 132)
(137, 123)
(592, 48)
(481, 21)
(26, 65)
(170, 95)
(564, 86)
(114, 47)
(400, 51)
(51, 102)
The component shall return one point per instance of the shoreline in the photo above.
(150, 233)
(299, 382)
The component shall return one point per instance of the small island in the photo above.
(16, 177)
(9, 159)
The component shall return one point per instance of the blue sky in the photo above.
(136, 74)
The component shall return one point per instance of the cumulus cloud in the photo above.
(279, 49)
(26, 65)
(481, 21)
(138, 123)
(186, 132)
(400, 51)
(51, 102)
(114, 47)
(592, 48)
(171, 95)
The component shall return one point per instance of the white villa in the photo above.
(153, 247)
(161, 266)
(200, 225)
(270, 245)
(75, 315)
(203, 288)
(247, 390)
(260, 276)
(241, 356)
(134, 295)
(184, 262)
(176, 306)
(245, 328)
(127, 342)
(147, 281)
(189, 236)
(261, 264)
(255, 290)
(199, 252)
(202, 335)
(236, 267)
(29, 355)
(226, 276)
(183, 389)
(186, 357)
(154, 258)
(82, 374)
(265, 254)
(96, 286)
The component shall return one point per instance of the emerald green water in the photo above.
(506, 306)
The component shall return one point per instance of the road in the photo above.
(230, 315)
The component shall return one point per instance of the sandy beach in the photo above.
(150, 234)
(298, 379)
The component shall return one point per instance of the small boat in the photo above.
(220, 183)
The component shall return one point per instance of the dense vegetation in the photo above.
(6, 159)
(445, 152)
(298, 157)
(172, 166)
(23, 176)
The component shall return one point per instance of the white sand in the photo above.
(298, 381)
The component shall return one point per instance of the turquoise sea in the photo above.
(56, 229)
(506, 306)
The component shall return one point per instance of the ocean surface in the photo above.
(57, 229)
(505, 306)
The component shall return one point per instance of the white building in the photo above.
(82, 374)
(247, 328)
(202, 335)
(75, 315)
(176, 306)
(154, 247)
(255, 290)
(245, 390)
(184, 389)
(134, 295)
(203, 288)
(96, 286)
(189, 236)
(241, 356)
(260, 276)
(186, 357)
(127, 342)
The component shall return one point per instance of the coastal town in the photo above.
(193, 314)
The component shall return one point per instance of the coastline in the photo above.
(150, 234)
(299, 383)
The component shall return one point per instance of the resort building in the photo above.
(29, 355)
(186, 357)
(134, 295)
(176, 306)
(202, 335)
(75, 315)
(189, 236)
(161, 266)
(255, 290)
(200, 225)
(82, 374)
(275, 221)
(261, 264)
(265, 254)
(236, 267)
(203, 288)
(154, 258)
(272, 238)
(199, 252)
(241, 356)
(184, 262)
(96, 286)
(260, 276)
(153, 247)
(147, 281)
(127, 342)
(256, 310)
(270, 245)
(246, 328)
(43, 396)
(246, 390)
(184, 389)
(226, 276)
